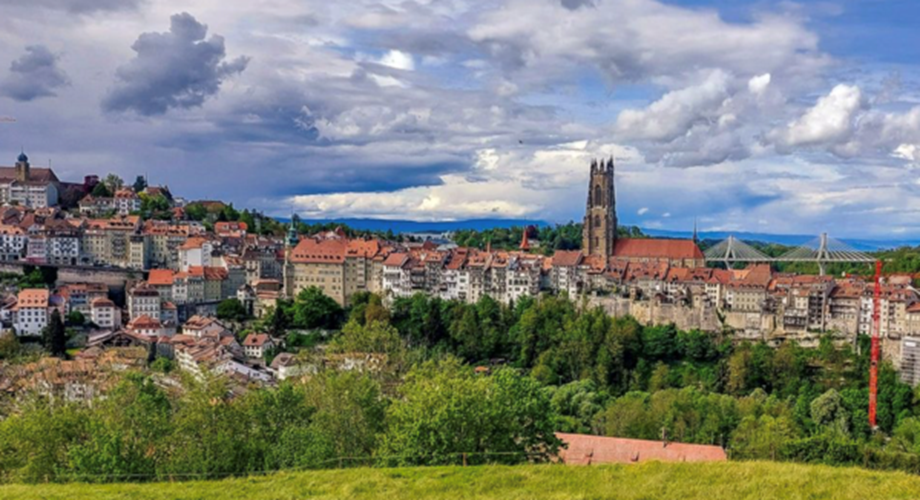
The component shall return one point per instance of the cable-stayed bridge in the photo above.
(822, 250)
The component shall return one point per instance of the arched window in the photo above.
(597, 220)
(598, 196)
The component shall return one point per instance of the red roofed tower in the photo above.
(525, 244)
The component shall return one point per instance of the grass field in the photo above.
(720, 481)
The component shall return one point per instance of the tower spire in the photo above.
(696, 238)
(525, 243)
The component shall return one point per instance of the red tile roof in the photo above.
(567, 258)
(161, 277)
(209, 273)
(256, 340)
(193, 243)
(230, 227)
(656, 249)
(33, 297)
(36, 174)
(315, 251)
(144, 322)
(396, 260)
(367, 249)
(125, 193)
(100, 302)
(586, 450)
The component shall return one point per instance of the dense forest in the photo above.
(545, 365)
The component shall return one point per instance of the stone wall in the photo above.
(114, 278)
(651, 313)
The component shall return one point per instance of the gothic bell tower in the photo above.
(600, 226)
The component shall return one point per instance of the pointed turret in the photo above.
(525, 242)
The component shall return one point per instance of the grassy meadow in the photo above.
(719, 481)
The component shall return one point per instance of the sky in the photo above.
(770, 117)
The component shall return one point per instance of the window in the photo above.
(598, 195)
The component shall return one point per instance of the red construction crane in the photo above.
(874, 354)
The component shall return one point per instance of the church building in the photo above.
(599, 237)
(26, 186)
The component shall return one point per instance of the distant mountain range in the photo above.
(407, 226)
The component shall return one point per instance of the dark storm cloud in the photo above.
(76, 6)
(574, 4)
(178, 69)
(34, 75)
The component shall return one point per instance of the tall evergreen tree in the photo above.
(140, 184)
(54, 335)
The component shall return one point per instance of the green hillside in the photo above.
(729, 480)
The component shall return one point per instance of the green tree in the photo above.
(113, 182)
(101, 191)
(739, 370)
(660, 379)
(628, 416)
(140, 184)
(9, 345)
(350, 411)
(76, 318)
(828, 410)
(127, 433)
(375, 337)
(151, 205)
(54, 335)
(34, 440)
(196, 212)
(232, 310)
(271, 416)
(162, 365)
(206, 433)
(576, 404)
(660, 342)
(314, 309)
(444, 411)
(762, 437)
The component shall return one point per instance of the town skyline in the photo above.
(464, 114)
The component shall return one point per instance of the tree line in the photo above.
(550, 237)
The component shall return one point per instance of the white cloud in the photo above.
(542, 41)
(398, 60)
(675, 113)
(758, 85)
(831, 120)
(910, 152)
(642, 211)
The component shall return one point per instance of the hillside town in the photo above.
(177, 272)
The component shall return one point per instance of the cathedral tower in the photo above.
(600, 226)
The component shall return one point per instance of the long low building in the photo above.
(583, 449)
